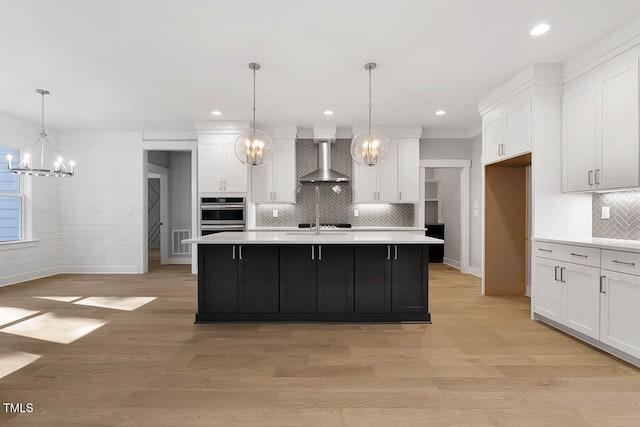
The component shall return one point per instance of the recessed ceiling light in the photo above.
(216, 113)
(440, 113)
(540, 29)
(328, 113)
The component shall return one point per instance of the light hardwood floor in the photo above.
(482, 362)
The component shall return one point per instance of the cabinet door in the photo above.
(578, 138)
(335, 279)
(210, 168)
(365, 183)
(618, 149)
(234, 176)
(517, 120)
(217, 279)
(262, 181)
(582, 298)
(547, 291)
(408, 172)
(258, 278)
(619, 314)
(409, 272)
(388, 176)
(372, 275)
(284, 172)
(492, 136)
(298, 278)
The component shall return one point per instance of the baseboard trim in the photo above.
(16, 279)
(451, 263)
(476, 271)
(98, 269)
(588, 340)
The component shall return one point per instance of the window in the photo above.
(11, 199)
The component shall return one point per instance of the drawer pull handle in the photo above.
(580, 255)
(545, 250)
(624, 262)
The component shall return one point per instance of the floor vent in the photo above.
(178, 247)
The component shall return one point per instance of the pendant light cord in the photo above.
(370, 104)
(42, 132)
(254, 102)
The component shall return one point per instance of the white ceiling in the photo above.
(163, 64)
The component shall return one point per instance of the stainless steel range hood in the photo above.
(324, 173)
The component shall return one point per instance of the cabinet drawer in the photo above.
(569, 253)
(623, 262)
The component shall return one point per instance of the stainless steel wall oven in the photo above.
(218, 214)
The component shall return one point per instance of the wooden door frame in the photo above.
(155, 171)
(463, 165)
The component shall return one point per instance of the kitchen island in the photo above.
(303, 276)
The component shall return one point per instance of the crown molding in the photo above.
(219, 127)
(547, 78)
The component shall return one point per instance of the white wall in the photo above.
(475, 214)
(451, 148)
(20, 262)
(179, 194)
(100, 223)
(450, 210)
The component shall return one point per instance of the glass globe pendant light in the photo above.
(29, 166)
(369, 147)
(254, 147)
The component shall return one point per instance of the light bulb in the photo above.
(9, 157)
(27, 156)
(60, 159)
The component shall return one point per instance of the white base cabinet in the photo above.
(620, 312)
(591, 291)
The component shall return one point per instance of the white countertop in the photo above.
(598, 242)
(340, 229)
(300, 237)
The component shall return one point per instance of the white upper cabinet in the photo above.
(601, 147)
(506, 130)
(408, 172)
(275, 182)
(219, 171)
(397, 179)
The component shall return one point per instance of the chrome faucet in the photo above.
(317, 210)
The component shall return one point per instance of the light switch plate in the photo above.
(355, 213)
(605, 212)
(275, 213)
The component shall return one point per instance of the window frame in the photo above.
(24, 195)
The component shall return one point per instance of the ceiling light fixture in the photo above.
(27, 166)
(216, 113)
(440, 113)
(369, 147)
(254, 147)
(540, 29)
(328, 113)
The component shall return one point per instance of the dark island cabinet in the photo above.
(334, 279)
(316, 279)
(298, 279)
(372, 279)
(313, 283)
(238, 279)
(409, 277)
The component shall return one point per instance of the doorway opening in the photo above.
(168, 207)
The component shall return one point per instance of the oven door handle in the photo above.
(222, 227)
(220, 207)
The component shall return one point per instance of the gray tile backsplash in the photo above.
(624, 222)
(333, 207)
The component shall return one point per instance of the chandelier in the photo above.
(29, 166)
(253, 147)
(369, 147)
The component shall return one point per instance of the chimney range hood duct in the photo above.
(324, 173)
